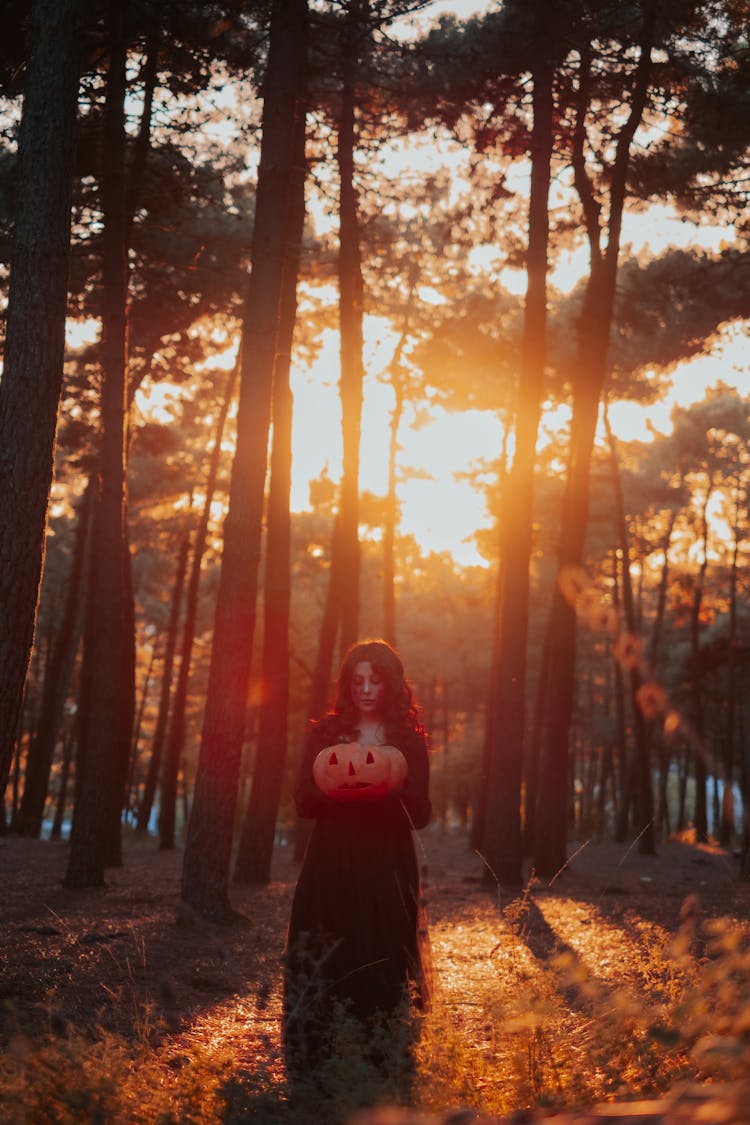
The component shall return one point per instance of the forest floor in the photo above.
(614, 980)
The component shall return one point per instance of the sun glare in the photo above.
(440, 508)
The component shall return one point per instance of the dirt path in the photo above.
(534, 994)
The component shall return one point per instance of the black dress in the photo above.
(357, 935)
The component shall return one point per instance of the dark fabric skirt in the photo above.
(357, 940)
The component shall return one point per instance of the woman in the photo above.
(357, 936)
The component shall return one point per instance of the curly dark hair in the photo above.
(400, 713)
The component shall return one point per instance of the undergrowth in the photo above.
(562, 1037)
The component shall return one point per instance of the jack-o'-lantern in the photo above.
(350, 772)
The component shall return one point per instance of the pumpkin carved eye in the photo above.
(333, 760)
(369, 759)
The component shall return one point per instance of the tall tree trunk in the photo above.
(62, 792)
(176, 740)
(550, 847)
(661, 600)
(727, 823)
(391, 516)
(56, 681)
(258, 830)
(165, 693)
(321, 679)
(638, 779)
(208, 846)
(134, 781)
(142, 147)
(35, 337)
(618, 692)
(391, 507)
(533, 753)
(101, 782)
(351, 315)
(320, 684)
(700, 811)
(127, 204)
(117, 793)
(503, 839)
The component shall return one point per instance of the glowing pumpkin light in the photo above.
(350, 772)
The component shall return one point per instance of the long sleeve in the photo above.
(310, 801)
(415, 795)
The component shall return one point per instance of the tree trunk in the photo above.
(503, 838)
(351, 314)
(134, 781)
(700, 812)
(550, 849)
(142, 147)
(320, 685)
(176, 740)
(391, 517)
(117, 792)
(727, 825)
(165, 693)
(258, 830)
(622, 807)
(62, 793)
(533, 754)
(100, 784)
(210, 829)
(391, 507)
(56, 682)
(661, 600)
(329, 624)
(35, 338)
(638, 780)
(127, 200)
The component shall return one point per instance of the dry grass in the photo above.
(600, 986)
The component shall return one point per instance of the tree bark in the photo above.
(134, 781)
(56, 682)
(550, 848)
(503, 838)
(35, 338)
(258, 830)
(391, 506)
(62, 793)
(100, 782)
(726, 823)
(654, 648)
(391, 516)
(638, 778)
(320, 685)
(176, 739)
(700, 811)
(208, 846)
(165, 693)
(351, 315)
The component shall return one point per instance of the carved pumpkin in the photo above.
(350, 772)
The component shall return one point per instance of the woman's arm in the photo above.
(415, 795)
(310, 801)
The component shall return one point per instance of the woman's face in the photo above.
(368, 690)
